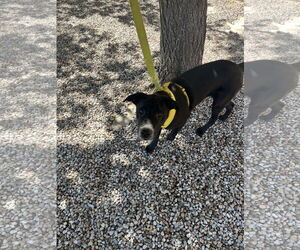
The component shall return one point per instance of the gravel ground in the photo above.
(271, 163)
(27, 125)
(111, 195)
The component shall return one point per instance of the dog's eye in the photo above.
(159, 115)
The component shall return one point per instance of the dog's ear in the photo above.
(171, 104)
(136, 98)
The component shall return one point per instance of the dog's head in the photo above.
(151, 112)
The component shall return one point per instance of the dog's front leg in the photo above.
(150, 148)
(171, 136)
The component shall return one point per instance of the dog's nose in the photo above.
(146, 133)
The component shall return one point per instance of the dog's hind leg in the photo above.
(217, 107)
(253, 112)
(221, 100)
(275, 110)
(228, 111)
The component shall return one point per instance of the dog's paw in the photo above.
(268, 117)
(200, 131)
(150, 149)
(223, 117)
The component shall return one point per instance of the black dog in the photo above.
(171, 107)
(266, 83)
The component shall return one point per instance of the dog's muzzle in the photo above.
(146, 130)
(146, 133)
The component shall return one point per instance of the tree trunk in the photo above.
(183, 29)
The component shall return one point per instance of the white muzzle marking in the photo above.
(146, 125)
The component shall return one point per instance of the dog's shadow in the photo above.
(266, 83)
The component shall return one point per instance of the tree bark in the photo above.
(183, 30)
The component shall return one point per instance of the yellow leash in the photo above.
(140, 29)
(141, 32)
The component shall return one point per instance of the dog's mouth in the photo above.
(146, 133)
(146, 130)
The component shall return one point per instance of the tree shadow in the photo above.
(278, 44)
(27, 68)
(21, 9)
(28, 183)
(78, 72)
(108, 187)
(268, 82)
(228, 41)
(27, 123)
(118, 10)
(117, 186)
(271, 142)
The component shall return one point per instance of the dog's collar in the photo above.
(172, 112)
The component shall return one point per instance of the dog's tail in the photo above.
(296, 66)
(241, 65)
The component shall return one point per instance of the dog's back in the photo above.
(269, 79)
(266, 83)
(207, 79)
